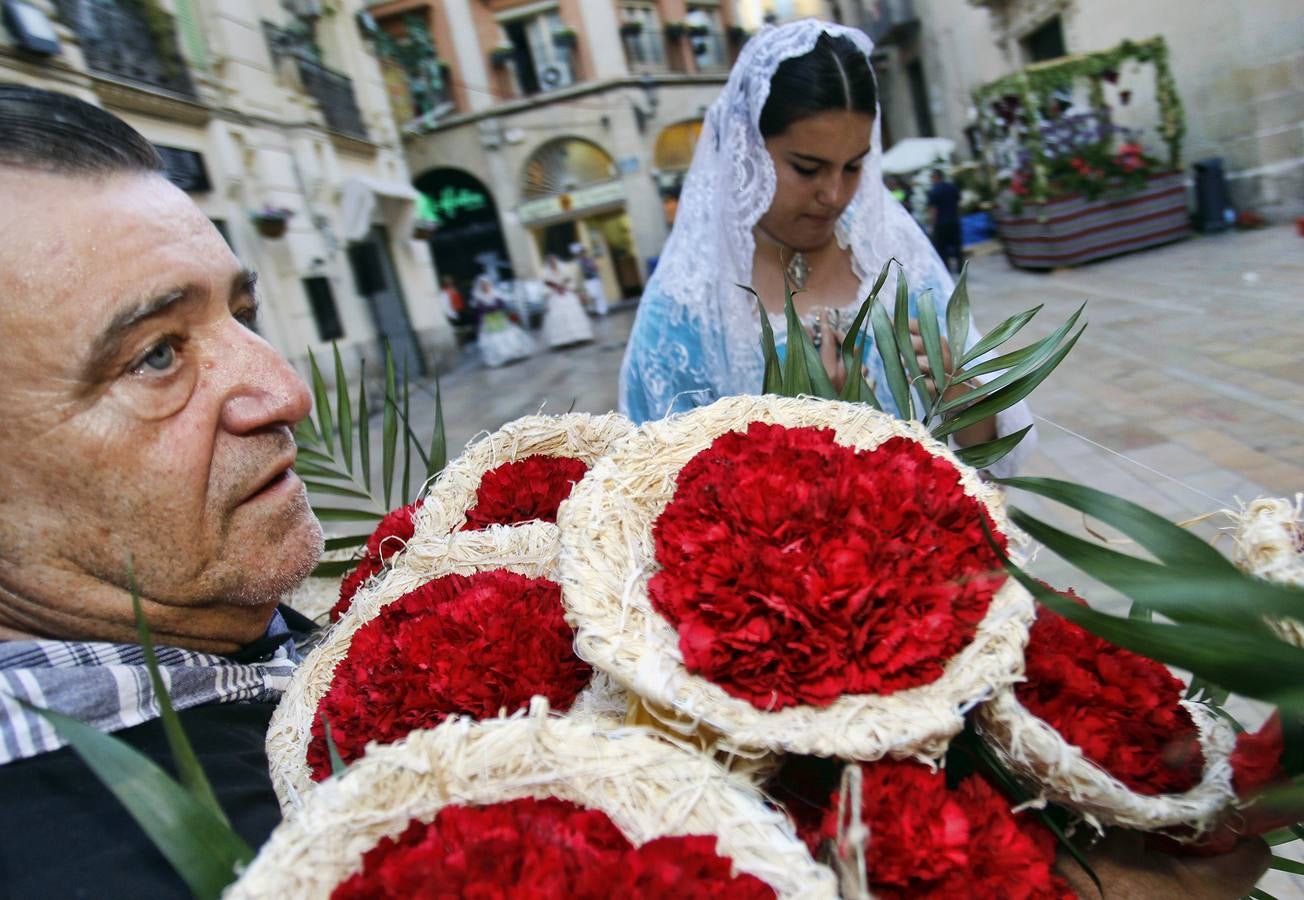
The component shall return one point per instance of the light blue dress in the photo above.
(664, 372)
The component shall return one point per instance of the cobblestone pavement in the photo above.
(1183, 395)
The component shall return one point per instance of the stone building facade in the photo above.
(1239, 69)
(252, 110)
(555, 123)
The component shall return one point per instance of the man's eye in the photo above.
(248, 317)
(160, 358)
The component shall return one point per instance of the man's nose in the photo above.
(263, 389)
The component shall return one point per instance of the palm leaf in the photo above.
(343, 412)
(438, 455)
(321, 401)
(980, 456)
(932, 338)
(886, 342)
(999, 335)
(957, 316)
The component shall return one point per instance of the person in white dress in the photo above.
(500, 339)
(565, 321)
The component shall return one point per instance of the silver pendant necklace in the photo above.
(797, 271)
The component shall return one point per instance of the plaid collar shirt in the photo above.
(108, 686)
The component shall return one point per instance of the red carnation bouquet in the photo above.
(790, 566)
(544, 848)
(1108, 733)
(794, 575)
(451, 647)
(524, 490)
(922, 838)
(390, 536)
(1122, 710)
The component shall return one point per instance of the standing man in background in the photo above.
(944, 220)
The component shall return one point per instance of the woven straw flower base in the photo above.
(577, 435)
(647, 786)
(1056, 770)
(1268, 538)
(529, 551)
(608, 556)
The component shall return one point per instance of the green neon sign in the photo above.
(449, 203)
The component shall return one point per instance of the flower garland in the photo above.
(796, 570)
(546, 848)
(930, 840)
(451, 647)
(524, 490)
(1121, 710)
(390, 536)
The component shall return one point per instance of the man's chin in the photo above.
(284, 565)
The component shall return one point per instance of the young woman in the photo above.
(499, 338)
(786, 179)
(565, 321)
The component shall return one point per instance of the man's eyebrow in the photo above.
(107, 343)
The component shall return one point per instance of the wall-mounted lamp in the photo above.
(30, 28)
(643, 116)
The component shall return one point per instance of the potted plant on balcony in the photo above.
(738, 35)
(675, 30)
(698, 30)
(631, 29)
(271, 221)
(501, 55)
(565, 38)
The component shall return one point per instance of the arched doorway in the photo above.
(468, 239)
(672, 156)
(573, 195)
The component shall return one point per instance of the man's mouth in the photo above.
(277, 478)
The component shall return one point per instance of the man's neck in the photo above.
(81, 608)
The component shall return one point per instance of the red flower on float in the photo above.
(524, 490)
(390, 536)
(1120, 709)
(540, 849)
(451, 647)
(928, 840)
(796, 570)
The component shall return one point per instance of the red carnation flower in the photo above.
(524, 490)
(927, 840)
(390, 536)
(451, 647)
(797, 570)
(1121, 709)
(541, 849)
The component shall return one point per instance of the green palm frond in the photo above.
(335, 459)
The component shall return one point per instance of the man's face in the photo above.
(140, 416)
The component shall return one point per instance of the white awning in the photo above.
(358, 202)
(912, 154)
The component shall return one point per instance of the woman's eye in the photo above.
(853, 170)
(160, 358)
(804, 172)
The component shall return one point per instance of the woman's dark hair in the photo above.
(833, 75)
(58, 133)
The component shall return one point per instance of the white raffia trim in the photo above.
(1266, 536)
(649, 787)
(608, 556)
(529, 550)
(1036, 753)
(578, 435)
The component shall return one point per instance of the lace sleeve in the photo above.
(664, 369)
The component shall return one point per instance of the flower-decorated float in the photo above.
(773, 647)
(1075, 186)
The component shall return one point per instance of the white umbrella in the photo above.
(912, 154)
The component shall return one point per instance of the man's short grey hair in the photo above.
(52, 132)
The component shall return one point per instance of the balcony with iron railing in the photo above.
(131, 42)
(332, 90)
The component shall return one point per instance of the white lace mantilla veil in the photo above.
(729, 187)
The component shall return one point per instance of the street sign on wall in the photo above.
(578, 201)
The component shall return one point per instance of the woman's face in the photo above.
(817, 164)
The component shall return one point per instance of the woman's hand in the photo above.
(1129, 869)
(977, 433)
(829, 344)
